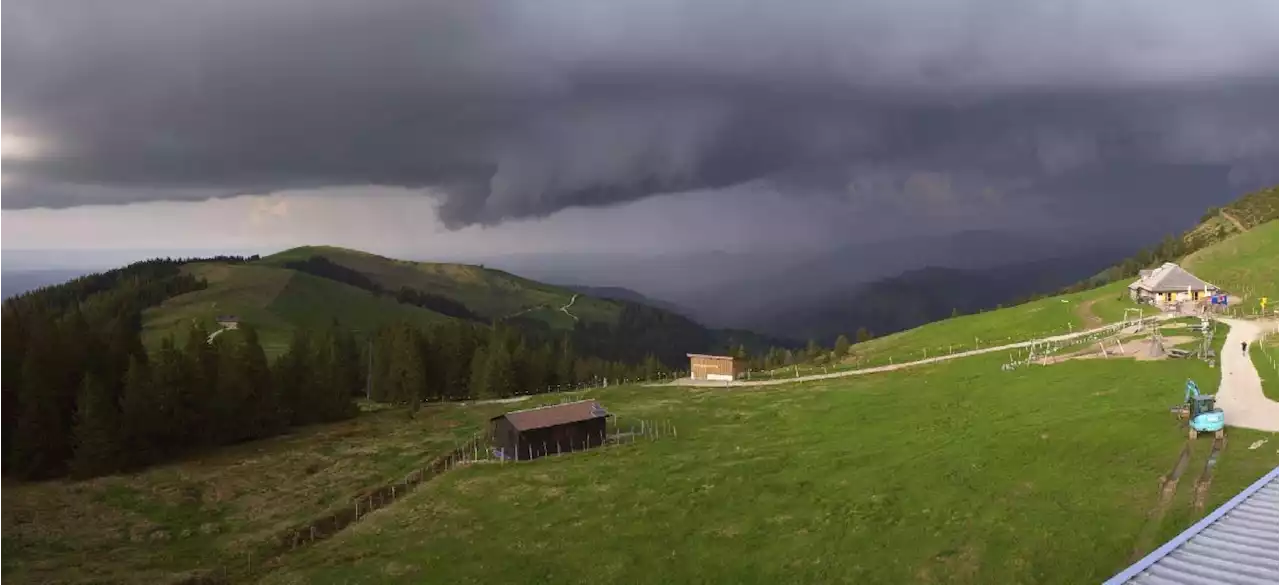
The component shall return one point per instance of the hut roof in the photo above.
(1169, 277)
(710, 357)
(556, 414)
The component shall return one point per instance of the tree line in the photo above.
(325, 268)
(83, 396)
(462, 361)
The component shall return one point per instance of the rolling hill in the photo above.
(315, 286)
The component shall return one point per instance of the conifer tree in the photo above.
(500, 372)
(479, 387)
(96, 431)
(42, 439)
(842, 346)
(142, 416)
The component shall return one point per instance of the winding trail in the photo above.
(1240, 393)
(1234, 221)
(566, 307)
(890, 368)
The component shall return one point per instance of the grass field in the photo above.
(1265, 356)
(491, 293)
(275, 301)
(1034, 320)
(956, 473)
(217, 507)
(1246, 266)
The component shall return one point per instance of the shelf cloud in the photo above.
(508, 110)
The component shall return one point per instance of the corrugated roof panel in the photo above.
(1236, 544)
(555, 414)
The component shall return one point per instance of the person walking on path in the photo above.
(1244, 347)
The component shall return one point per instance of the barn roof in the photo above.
(710, 357)
(1235, 544)
(1169, 277)
(556, 414)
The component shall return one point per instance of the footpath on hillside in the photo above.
(889, 368)
(1240, 394)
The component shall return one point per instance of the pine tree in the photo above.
(42, 439)
(842, 346)
(406, 372)
(178, 425)
(262, 407)
(501, 372)
(479, 381)
(142, 416)
(96, 431)
(862, 335)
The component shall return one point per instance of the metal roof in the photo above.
(556, 414)
(710, 357)
(1169, 277)
(1236, 544)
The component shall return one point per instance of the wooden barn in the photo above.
(713, 367)
(560, 428)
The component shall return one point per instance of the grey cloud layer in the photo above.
(519, 109)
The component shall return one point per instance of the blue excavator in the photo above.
(1203, 416)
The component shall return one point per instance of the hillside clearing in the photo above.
(219, 507)
(275, 301)
(492, 293)
(1041, 475)
(1245, 266)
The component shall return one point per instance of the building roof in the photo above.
(227, 318)
(1169, 277)
(710, 357)
(554, 415)
(1236, 544)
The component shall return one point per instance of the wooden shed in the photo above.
(560, 428)
(713, 367)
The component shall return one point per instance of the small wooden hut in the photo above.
(546, 430)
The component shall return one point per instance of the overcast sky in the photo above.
(511, 126)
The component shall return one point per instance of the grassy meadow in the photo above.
(1245, 265)
(1034, 320)
(488, 292)
(956, 473)
(217, 507)
(1265, 354)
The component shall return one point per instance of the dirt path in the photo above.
(1240, 393)
(1168, 489)
(566, 307)
(890, 368)
(1085, 311)
(1201, 492)
(1234, 221)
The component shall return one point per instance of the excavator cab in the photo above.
(1204, 415)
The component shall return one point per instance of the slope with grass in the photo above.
(954, 473)
(493, 294)
(1265, 355)
(220, 508)
(1033, 320)
(275, 301)
(1245, 265)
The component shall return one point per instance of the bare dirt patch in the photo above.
(1168, 488)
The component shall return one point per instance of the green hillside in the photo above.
(494, 294)
(1245, 265)
(275, 301)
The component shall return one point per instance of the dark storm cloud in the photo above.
(519, 109)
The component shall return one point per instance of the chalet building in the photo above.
(713, 367)
(228, 321)
(547, 430)
(1170, 284)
